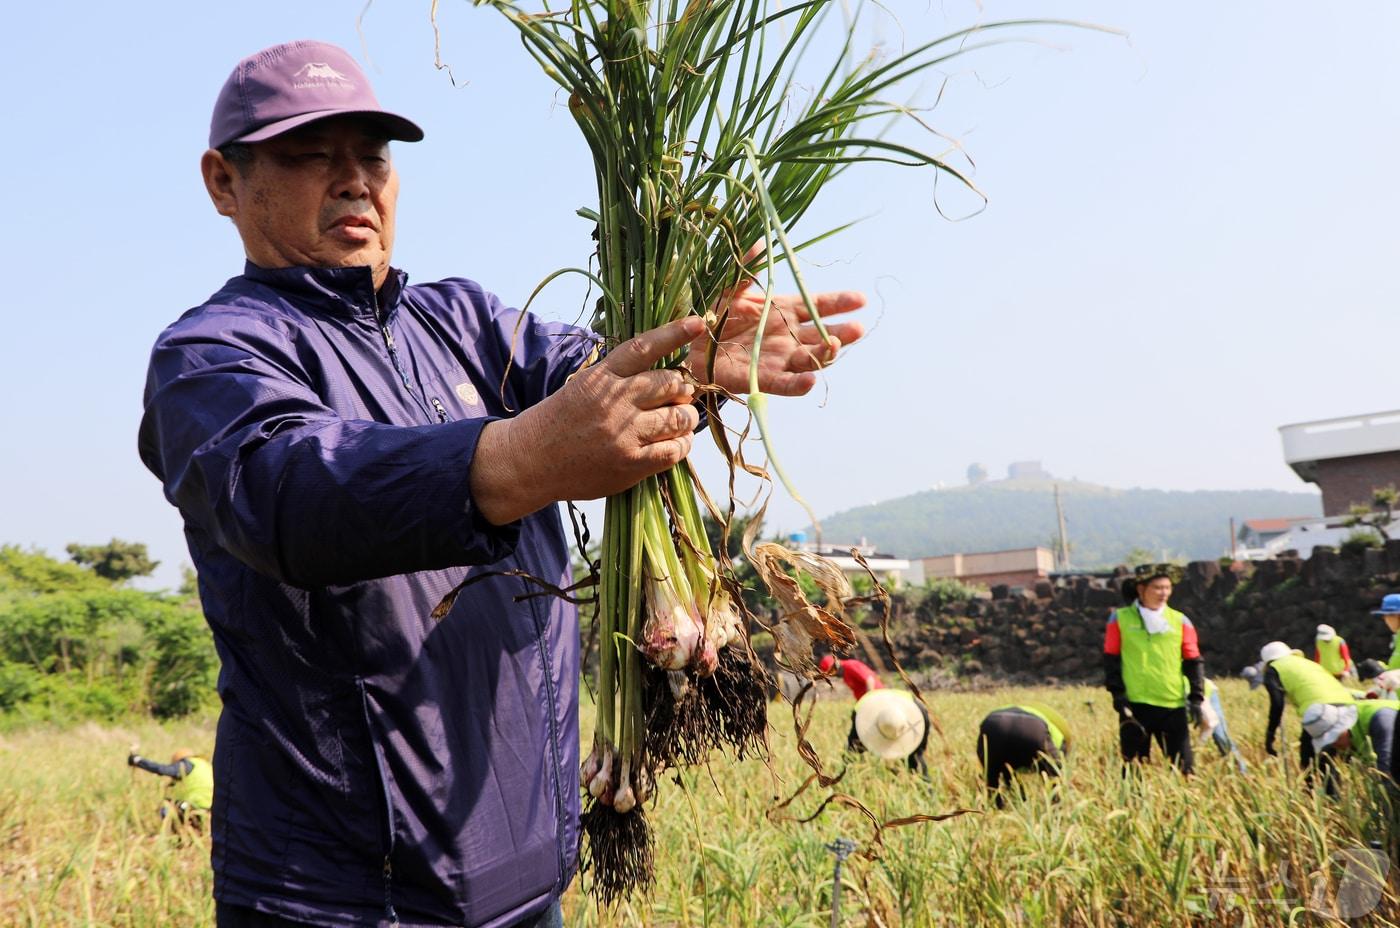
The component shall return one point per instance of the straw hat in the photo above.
(889, 723)
(1326, 633)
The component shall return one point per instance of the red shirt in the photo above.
(860, 678)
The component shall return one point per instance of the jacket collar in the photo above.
(341, 291)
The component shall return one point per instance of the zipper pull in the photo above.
(388, 336)
(441, 410)
(388, 896)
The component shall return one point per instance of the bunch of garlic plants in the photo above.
(706, 155)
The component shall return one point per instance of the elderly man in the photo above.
(343, 447)
(1153, 671)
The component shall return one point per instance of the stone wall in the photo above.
(1055, 630)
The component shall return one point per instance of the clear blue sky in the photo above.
(1186, 243)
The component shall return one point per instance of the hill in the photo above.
(1103, 524)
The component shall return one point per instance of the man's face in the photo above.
(322, 195)
(1154, 595)
(1392, 622)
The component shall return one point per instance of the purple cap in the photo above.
(286, 86)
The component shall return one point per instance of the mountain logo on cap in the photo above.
(319, 74)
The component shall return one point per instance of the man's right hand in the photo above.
(610, 426)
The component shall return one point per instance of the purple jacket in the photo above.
(372, 764)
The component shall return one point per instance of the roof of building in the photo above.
(928, 557)
(1306, 443)
(1275, 525)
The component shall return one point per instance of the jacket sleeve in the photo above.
(1274, 686)
(1195, 672)
(1113, 663)
(253, 458)
(175, 771)
(1191, 664)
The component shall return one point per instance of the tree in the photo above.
(1139, 555)
(117, 560)
(1379, 514)
(74, 645)
(755, 593)
(188, 590)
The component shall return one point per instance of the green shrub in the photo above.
(182, 679)
(941, 591)
(18, 682)
(76, 646)
(1361, 540)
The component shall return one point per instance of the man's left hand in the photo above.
(792, 347)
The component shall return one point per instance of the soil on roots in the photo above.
(727, 710)
(677, 731)
(615, 848)
(736, 704)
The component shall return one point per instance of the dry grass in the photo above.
(79, 844)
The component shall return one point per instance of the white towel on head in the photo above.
(1154, 620)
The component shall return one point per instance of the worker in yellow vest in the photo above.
(1153, 670)
(1331, 651)
(1390, 611)
(191, 789)
(892, 725)
(1310, 689)
(1372, 738)
(1026, 736)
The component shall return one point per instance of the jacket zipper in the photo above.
(388, 836)
(441, 413)
(553, 737)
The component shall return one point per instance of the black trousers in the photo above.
(1012, 740)
(1170, 728)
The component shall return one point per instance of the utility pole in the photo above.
(1063, 554)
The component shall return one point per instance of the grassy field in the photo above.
(79, 843)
